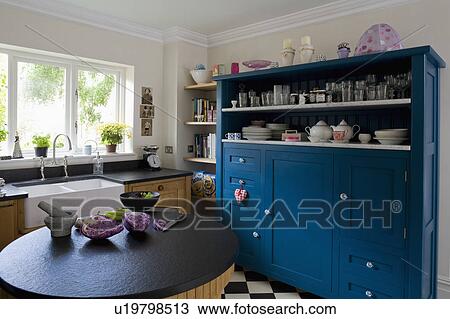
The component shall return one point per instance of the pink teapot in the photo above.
(350, 131)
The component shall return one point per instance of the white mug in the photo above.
(364, 138)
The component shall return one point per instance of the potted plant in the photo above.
(41, 144)
(112, 134)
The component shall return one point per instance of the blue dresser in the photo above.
(340, 221)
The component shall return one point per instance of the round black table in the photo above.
(154, 265)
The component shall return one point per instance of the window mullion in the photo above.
(74, 107)
(12, 101)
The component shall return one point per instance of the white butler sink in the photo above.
(86, 190)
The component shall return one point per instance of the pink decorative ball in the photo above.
(379, 38)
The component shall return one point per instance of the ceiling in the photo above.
(203, 16)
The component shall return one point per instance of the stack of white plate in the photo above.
(392, 136)
(255, 133)
(277, 129)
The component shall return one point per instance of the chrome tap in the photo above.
(65, 167)
(42, 164)
(54, 147)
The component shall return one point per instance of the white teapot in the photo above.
(350, 131)
(321, 131)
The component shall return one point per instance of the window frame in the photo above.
(71, 65)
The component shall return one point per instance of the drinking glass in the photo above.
(278, 94)
(371, 79)
(338, 92)
(381, 91)
(371, 92)
(347, 91)
(359, 94)
(269, 98)
(243, 97)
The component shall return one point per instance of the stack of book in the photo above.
(204, 110)
(205, 146)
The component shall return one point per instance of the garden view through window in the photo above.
(53, 96)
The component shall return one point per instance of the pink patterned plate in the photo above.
(257, 64)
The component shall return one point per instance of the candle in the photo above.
(306, 40)
(287, 44)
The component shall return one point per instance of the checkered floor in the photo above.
(246, 284)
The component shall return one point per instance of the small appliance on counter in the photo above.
(151, 157)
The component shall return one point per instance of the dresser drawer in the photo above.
(352, 287)
(365, 261)
(242, 160)
(367, 266)
(234, 179)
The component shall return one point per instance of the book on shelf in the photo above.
(204, 110)
(205, 146)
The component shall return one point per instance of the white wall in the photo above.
(435, 15)
(90, 42)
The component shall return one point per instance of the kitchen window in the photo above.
(48, 95)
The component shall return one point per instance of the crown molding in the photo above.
(181, 34)
(326, 12)
(90, 17)
(330, 11)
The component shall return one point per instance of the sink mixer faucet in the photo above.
(54, 148)
(42, 164)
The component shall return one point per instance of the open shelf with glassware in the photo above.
(391, 97)
(351, 105)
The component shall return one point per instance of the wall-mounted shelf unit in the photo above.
(200, 160)
(202, 87)
(361, 105)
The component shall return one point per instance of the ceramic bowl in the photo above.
(136, 222)
(137, 201)
(391, 141)
(364, 138)
(201, 76)
(100, 227)
(392, 133)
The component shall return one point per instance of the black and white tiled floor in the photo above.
(246, 284)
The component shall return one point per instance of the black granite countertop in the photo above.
(134, 175)
(154, 265)
(144, 175)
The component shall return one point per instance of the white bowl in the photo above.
(391, 141)
(201, 76)
(394, 133)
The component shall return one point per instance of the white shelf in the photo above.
(200, 123)
(370, 146)
(200, 160)
(362, 105)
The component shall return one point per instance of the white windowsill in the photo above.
(74, 159)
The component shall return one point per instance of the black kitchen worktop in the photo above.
(144, 175)
(155, 265)
(123, 173)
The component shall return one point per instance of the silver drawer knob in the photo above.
(256, 235)
(343, 196)
(369, 265)
(369, 293)
(241, 182)
(241, 160)
(267, 212)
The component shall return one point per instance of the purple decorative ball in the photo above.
(136, 222)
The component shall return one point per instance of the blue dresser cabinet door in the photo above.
(374, 180)
(300, 256)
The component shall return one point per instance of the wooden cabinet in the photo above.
(174, 191)
(9, 211)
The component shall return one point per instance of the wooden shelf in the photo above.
(360, 105)
(200, 123)
(200, 160)
(202, 87)
(370, 146)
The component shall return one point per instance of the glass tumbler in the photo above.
(243, 99)
(278, 94)
(371, 92)
(347, 91)
(381, 91)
